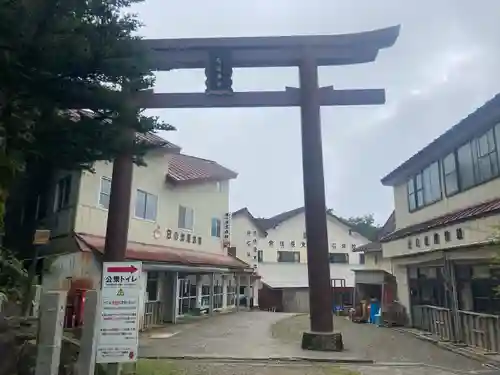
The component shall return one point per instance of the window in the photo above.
(436, 238)
(465, 166)
(338, 257)
(487, 160)
(409, 243)
(361, 258)
(289, 256)
(105, 192)
(152, 286)
(426, 241)
(146, 205)
(417, 242)
(215, 227)
(424, 188)
(62, 193)
(447, 236)
(432, 183)
(450, 174)
(460, 234)
(412, 205)
(186, 218)
(271, 243)
(260, 256)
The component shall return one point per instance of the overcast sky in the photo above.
(445, 64)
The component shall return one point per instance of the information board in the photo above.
(118, 338)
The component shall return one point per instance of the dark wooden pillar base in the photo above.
(324, 342)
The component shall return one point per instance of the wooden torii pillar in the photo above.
(219, 56)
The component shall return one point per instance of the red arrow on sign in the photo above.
(123, 269)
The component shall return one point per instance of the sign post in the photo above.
(118, 338)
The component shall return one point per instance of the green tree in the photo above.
(57, 55)
(365, 225)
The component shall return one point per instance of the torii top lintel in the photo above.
(277, 51)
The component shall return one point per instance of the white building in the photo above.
(177, 211)
(444, 235)
(277, 248)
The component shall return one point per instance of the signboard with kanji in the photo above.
(118, 337)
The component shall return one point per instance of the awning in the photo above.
(165, 254)
(367, 276)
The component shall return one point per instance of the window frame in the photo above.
(186, 208)
(62, 193)
(296, 256)
(146, 194)
(469, 151)
(218, 227)
(100, 205)
(332, 255)
(447, 174)
(416, 187)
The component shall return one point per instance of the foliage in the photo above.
(69, 75)
(12, 275)
(364, 225)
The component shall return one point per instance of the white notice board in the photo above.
(118, 337)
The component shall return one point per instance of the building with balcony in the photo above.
(276, 247)
(177, 210)
(447, 215)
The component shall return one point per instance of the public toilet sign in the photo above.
(118, 338)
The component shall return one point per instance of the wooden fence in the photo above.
(153, 314)
(473, 329)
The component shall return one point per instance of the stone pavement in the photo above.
(260, 335)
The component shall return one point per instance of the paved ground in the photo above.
(259, 335)
(379, 344)
(179, 367)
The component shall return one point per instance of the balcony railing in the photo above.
(473, 329)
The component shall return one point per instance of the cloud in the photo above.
(444, 65)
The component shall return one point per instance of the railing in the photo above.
(473, 329)
(480, 330)
(153, 314)
(436, 320)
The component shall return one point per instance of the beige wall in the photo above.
(475, 195)
(240, 225)
(375, 260)
(73, 266)
(474, 231)
(209, 200)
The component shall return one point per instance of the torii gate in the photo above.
(219, 56)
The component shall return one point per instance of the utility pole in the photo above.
(115, 246)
